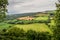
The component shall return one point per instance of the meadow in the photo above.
(38, 27)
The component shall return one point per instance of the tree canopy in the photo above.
(3, 8)
(57, 20)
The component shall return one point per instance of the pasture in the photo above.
(45, 18)
(36, 27)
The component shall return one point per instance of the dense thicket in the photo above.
(57, 20)
(15, 33)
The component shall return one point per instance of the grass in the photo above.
(52, 22)
(39, 27)
(36, 27)
(4, 25)
(42, 18)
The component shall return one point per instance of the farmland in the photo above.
(36, 27)
(42, 18)
(42, 27)
(28, 27)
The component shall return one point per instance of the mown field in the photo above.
(42, 18)
(39, 27)
(36, 27)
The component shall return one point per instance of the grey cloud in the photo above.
(23, 6)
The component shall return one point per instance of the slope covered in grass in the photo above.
(39, 27)
(45, 18)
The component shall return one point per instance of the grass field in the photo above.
(39, 27)
(42, 18)
(52, 22)
(36, 27)
(4, 25)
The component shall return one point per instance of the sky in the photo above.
(26, 6)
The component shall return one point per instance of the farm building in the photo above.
(25, 18)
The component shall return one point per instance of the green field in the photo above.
(52, 22)
(36, 27)
(42, 18)
(4, 25)
(39, 27)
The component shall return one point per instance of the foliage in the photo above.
(57, 20)
(15, 33)
(28, 21)
(4, 26)
(3, 10)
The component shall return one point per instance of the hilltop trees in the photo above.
(3, 9)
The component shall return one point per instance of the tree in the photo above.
(59, 0)
(3, 9)
(57, 20)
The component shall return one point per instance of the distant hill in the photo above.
(14, 16)
(49, 11)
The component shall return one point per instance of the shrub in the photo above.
(10, 26)
(4, 30)
(11, 22)
(31, 35)
(15, 33)
(28, 21)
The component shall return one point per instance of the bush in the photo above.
(4, 30)
(10, 26)
(11, 22)
(28, 21)
(31, 35)
(15, 33)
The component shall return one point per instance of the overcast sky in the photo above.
(24, 6)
